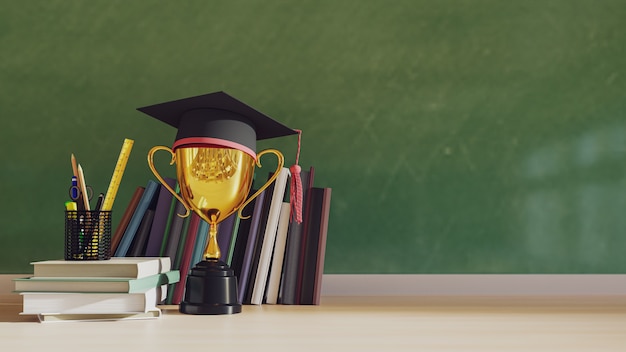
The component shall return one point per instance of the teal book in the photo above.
(233, 239)
(95, 284)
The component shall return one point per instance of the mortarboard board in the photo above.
(217, 119)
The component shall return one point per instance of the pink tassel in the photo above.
(295, 193)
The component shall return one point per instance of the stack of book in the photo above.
(276, 260)
(115, 289)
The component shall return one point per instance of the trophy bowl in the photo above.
(214, 182)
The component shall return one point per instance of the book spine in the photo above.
(241, 240)
(128, 214)
(246, 266)
(201, 242)
(138, 247)
(181, 241)
(168, 224)
(289, 278)
(256, 251)
(311, 245)
(185, 263)
(135, 221)
(233, 239)
(269, 237)
(321, 249)
(279, 253)
(161, 215)
(174, 234)
(303, 239)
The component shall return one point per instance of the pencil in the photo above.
(83, 187)
(74, 166)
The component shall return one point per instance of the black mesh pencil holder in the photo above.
(87, 235)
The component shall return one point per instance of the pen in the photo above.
(74, 188)
(78, 186)
(98, 231)
(99, 202)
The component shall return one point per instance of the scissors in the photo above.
(75, 190)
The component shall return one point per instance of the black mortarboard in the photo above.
(219, 119)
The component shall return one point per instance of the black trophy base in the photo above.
(211, 289)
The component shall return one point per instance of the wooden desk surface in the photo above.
(595, 323)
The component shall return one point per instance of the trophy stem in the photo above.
(212, 250)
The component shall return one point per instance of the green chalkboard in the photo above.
(458, 136)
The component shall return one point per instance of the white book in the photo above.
(131, 267)
(269, 238)
(276, 269)
(89, 303)
(59, 318)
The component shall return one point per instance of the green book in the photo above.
(233, 240)
(95, 284)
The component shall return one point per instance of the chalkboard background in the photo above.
(458, 136)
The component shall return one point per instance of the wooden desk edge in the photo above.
(356, 285)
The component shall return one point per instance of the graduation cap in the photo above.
(217, 119)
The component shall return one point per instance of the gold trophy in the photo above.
(215, 159)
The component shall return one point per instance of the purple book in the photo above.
(244, 278)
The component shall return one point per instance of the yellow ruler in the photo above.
(107, 205)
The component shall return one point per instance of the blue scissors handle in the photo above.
(75, 193)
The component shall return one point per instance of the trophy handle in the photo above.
(158, 176)
(281, 162)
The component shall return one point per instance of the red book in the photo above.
(321, 248)
(185, 261)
